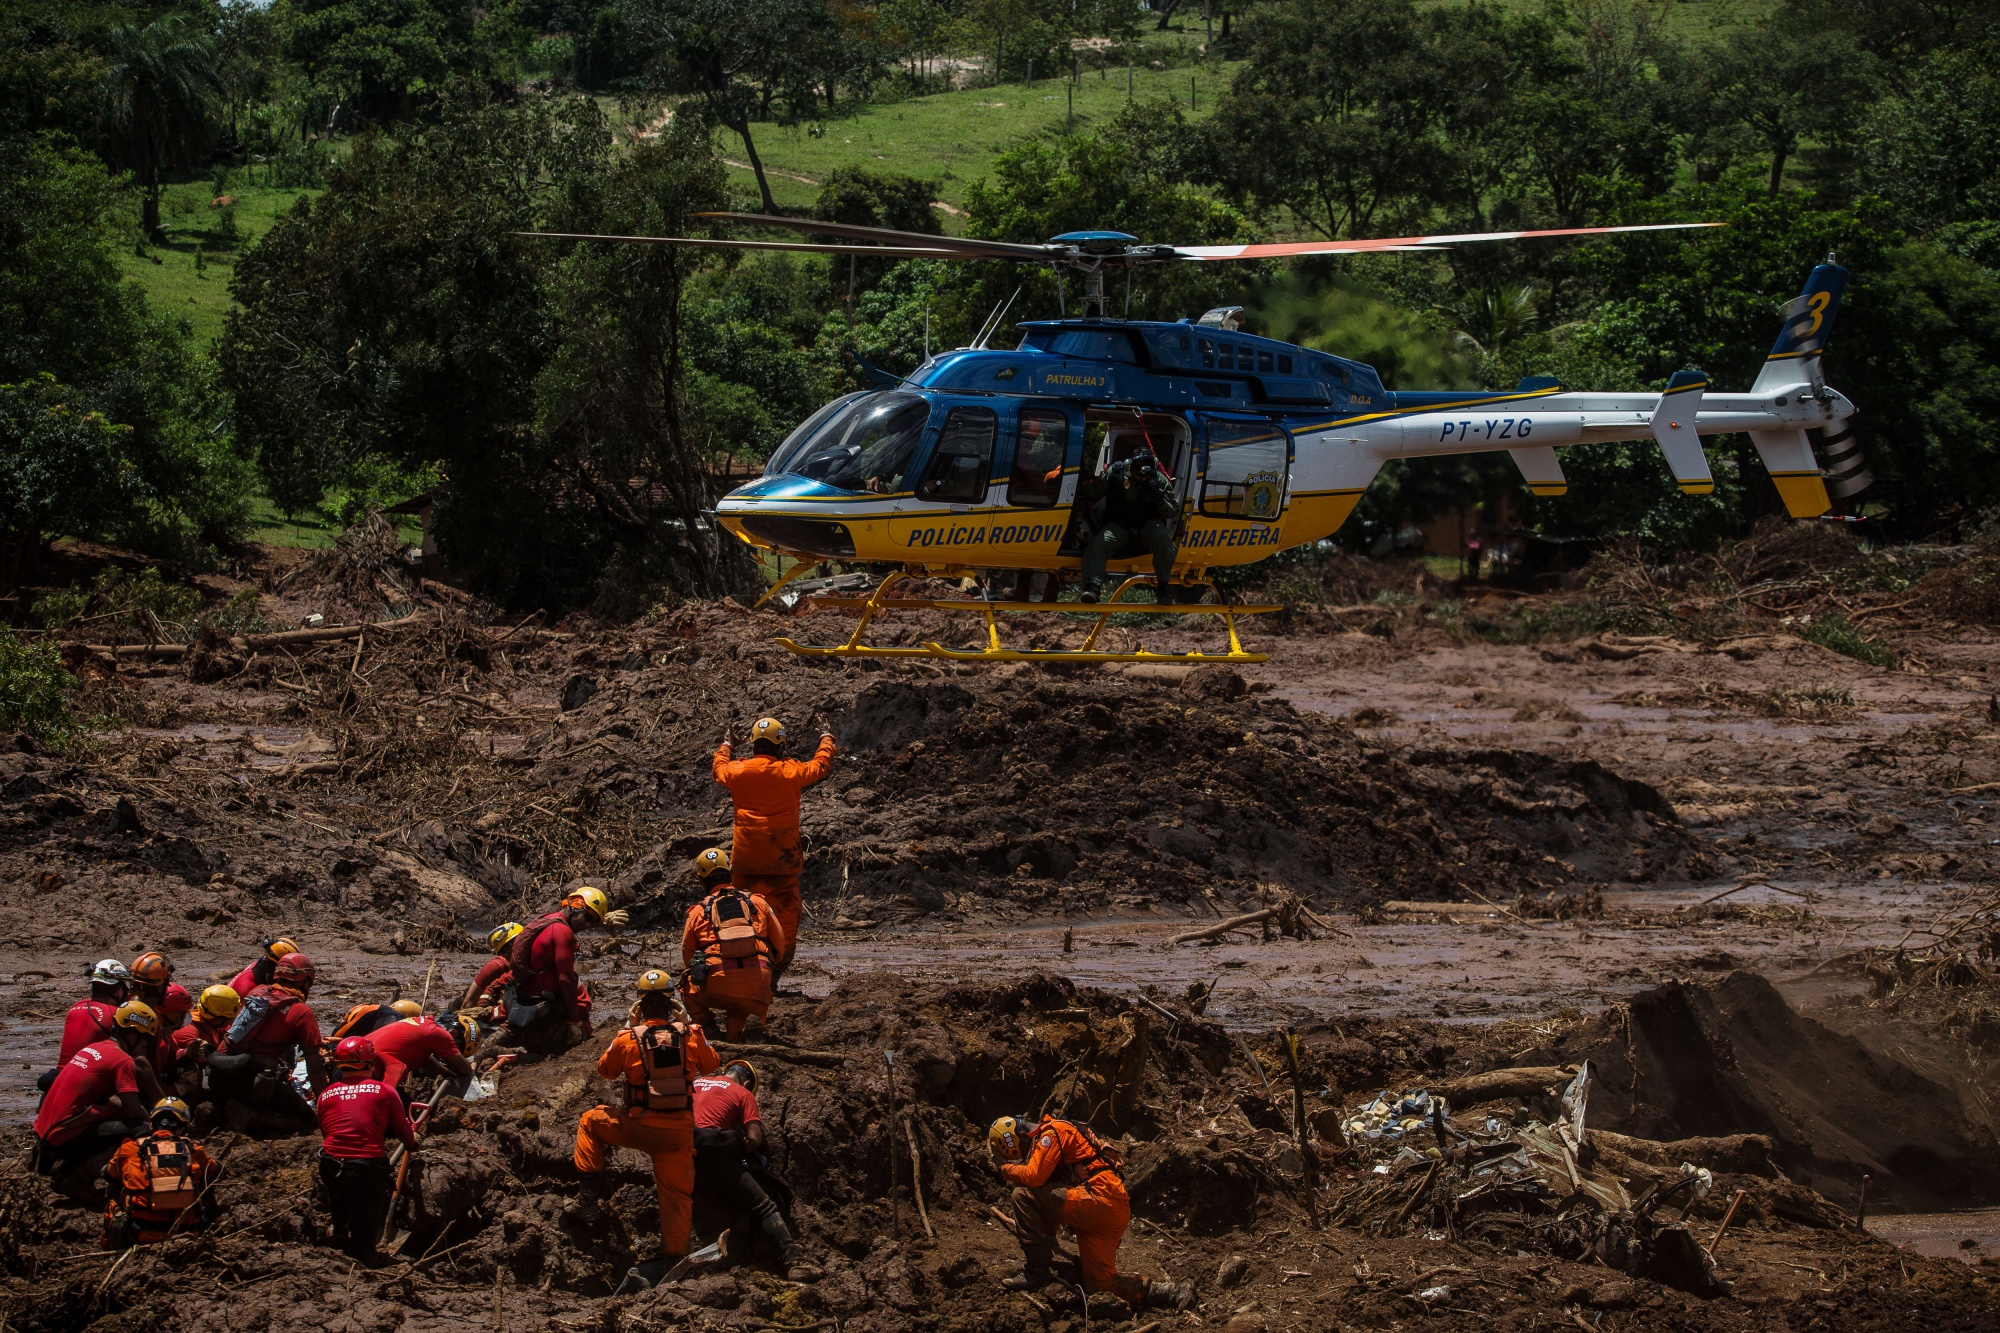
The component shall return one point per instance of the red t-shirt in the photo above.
(552, 967)
(358, 1117)
(87, 1021)
(184, 1037)
(280, 1032)
(491, 977)
(723, 1103)
(86, 1091)
(407, 1043)
(246, 980)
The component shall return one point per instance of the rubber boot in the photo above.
(1169, 1295)
(796, 1267)
(645, 1276)
(1035, 1273)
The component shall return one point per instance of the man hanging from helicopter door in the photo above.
(1130, 508)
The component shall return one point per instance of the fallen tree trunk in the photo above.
(823, 1059)
(1529, 1081)
(1224, 927)
(1745, 1154)
(244, 642)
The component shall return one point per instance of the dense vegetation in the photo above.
(576, 407)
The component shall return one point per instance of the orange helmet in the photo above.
(280, 946)
(152, 969)
(768, 729)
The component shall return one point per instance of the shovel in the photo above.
(394, 1242)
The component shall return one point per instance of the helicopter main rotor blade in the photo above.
(1283, 249)
(972, 249)
(710, 243)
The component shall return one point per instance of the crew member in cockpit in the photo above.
(1129, 509)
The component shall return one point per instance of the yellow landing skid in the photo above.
(878, 601)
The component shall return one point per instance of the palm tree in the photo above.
(158, 96)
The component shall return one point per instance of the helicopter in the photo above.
(972, 461)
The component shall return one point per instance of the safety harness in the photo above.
(523, 946)
(733, 919)
(663, 1084)
(166, 1165)
(1103, 1157)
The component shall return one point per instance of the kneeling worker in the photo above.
(356, 1117)
(1065, 1176)
(94, 1104)
(729, 943)
(252, 1079)
(728, 1132)
(548, 1009)
(159, 1184)
(656, 1062)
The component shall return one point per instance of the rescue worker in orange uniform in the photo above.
(1065, 1176)
(764, 855)
(159, 1183)
(656, 1061)
(729, 944)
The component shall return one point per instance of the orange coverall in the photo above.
(740, 987)
(764, 857)
(131, 1191)
(665, 1136)
(1097, 1209)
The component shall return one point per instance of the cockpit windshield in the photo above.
(868, 445)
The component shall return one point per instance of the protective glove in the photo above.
(616, 917)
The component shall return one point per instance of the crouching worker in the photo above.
(94, 1104)
(730, 942)
(273, 1027)
(485, 989)
(159, 1184)
(1065, 1176)
(728, 1138)
(357, 1116)
(548, 1009)
(655, 1062)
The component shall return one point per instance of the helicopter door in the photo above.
(1246, 468)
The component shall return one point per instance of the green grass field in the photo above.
(188, 277)
(953, 137)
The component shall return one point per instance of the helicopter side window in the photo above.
(1264, 362)
(1098, 344)
(1247, 467)
(964, 453)
(1039, 449)
(1207, 354)
(870, 446)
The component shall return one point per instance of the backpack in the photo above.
(169, 1168)
(664, 1069)
(733, 919)
(523, 944)
(256, 1008)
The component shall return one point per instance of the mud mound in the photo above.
(1728, 1055)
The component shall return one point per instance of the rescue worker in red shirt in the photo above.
(730, 942)
(764, 854)
(94, 1104)
(194, 1043)
(265, 970)
(421, 1044)
(151, 975)
(252, 1078)
(357, 1116)
(547, 1009)
(656, 1061)
(1065, 1176)
(491, 983)
(159, 1183)
(728, 1136)
(90, 1020)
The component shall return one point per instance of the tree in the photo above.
(399, 316)
(1934, 149)
(160, 92)
(1782, 92)
(747, 60)
(370, 58)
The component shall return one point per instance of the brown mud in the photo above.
(1749, 879)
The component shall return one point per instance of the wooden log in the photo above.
(1529, 1081)
(749, 1050)
(1445, 909)
(1745, 1154)
(244, 642)
(1224, 927)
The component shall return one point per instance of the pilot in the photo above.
(1131, 508)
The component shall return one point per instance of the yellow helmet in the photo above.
(749, 1075)
(768, 729)
(175, 1107)
(137, 1016)
(281, 946)
(465, 1030)
(406, 1009)
(656, 978)
(503, 935)
(592, 900)
(1007, 1140)
(715, 859)
(218, 1002)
